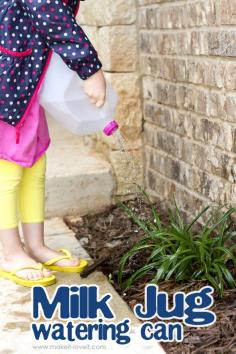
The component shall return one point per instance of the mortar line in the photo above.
(194, 193)
(201, 115)
(197, 142)
(167, 4)
(188, 165)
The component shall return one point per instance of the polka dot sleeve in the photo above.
(57, 25)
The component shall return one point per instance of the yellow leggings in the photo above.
(22, 193)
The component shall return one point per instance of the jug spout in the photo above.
(110, 128)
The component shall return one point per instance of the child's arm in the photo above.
(57, 25)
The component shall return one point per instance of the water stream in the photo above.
(131, 168)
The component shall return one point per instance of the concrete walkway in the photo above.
(15, 305)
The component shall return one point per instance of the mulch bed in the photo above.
(110, 234)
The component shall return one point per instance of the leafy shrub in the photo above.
(178, 250)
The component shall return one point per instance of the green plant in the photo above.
(183, 252)
(110, 279)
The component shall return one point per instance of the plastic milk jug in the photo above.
(62, 96)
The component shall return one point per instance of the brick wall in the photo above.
(187, 60)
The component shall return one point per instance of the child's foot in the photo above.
(44, 253)
(12, 262)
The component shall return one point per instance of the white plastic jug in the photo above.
(63, 97)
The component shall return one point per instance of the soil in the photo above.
(110, 234)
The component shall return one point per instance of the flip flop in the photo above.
(50, 264)
(44, 281)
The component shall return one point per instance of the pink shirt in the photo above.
(34, 138)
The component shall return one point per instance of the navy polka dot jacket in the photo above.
(29, 31)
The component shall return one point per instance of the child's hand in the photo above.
(95, 88)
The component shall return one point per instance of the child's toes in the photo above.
(38, 275)
(46, 273)
(33, 275)
(75, 261)
(28, 275)
(24, 274)
(69, 262)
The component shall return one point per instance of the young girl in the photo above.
(29, 31)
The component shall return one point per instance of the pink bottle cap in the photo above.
(110, 128)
